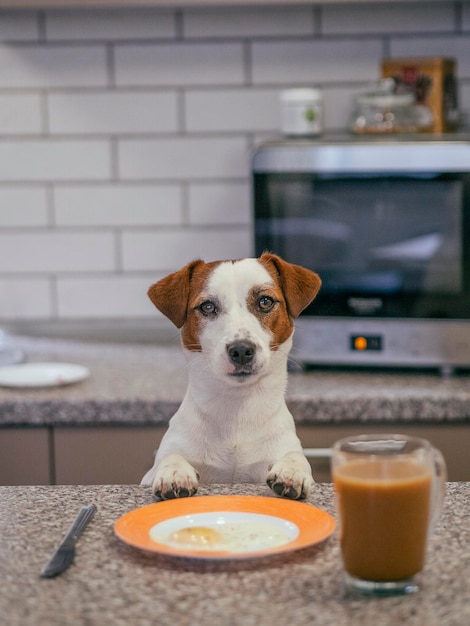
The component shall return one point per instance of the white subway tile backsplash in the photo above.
(457, 47)
(117, 205)
(180, 64)
(23, 207)
(54, 66)
(312, 62)
(49, 160)
(248, 21)
(109, 24)
(127, 134)
(56, 252)
(170, 250)
(183, 157)
(113, 112)
(339, 104)
(104, 297)
(401, 17)
(233, 110)
(20, 114)
(23, 298)
(228, 203)
(18, 26)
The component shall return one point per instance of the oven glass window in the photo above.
(383, 246)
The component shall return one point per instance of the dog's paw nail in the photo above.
(291, 493)
(284, 490)
(175, 492)
(277, 487)
(182, 492)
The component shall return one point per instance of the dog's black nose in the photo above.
(241, 352)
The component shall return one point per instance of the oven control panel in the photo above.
(400, 343)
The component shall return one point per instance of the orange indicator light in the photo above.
(360, 343)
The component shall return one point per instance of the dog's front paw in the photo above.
(177, 487)
(175, 480)
(291, 477)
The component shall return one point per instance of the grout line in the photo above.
(41, 26)
(118, 251)
(317, 18)
(458, 17)
(185, 212)
(44, 113)
(248, 63)
(111, 65)
(54, 296)
(179, 25)
(50, 205)
(114, 159)
(181, 114)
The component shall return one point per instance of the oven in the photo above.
(385, 222)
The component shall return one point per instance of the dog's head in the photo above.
(236, 312)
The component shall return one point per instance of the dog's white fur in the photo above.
(233, 425)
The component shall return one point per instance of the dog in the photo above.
(233, 426)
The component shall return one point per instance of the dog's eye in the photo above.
(208, 308)
(265, 303)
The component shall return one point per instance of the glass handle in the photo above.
(439, 487)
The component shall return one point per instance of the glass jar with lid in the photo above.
(382, 111)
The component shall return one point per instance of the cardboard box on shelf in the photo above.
(434, 84)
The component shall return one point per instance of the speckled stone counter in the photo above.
(144, 384)
(112, 583)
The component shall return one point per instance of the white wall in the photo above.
(125, 136)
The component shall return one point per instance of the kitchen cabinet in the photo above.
(453, 440)
(96, 455)
(25, 456)
(105, 454)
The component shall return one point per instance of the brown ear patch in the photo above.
(177, 296)
(171, 294)
(299, 285)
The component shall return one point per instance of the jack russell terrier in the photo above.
(233, 426)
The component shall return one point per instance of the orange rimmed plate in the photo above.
(149, 527)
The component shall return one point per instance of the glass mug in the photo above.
(389, 492)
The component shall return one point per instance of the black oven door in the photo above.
(385, 245)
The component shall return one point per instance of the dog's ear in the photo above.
(299, 285)
(171, 294)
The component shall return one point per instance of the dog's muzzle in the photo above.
(242, 355)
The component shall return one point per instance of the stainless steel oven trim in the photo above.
(363, 156)
(406, 342)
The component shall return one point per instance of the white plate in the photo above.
(42, 374)
(240, 532)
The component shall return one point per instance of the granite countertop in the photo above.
(113, 583)
(143, 384)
